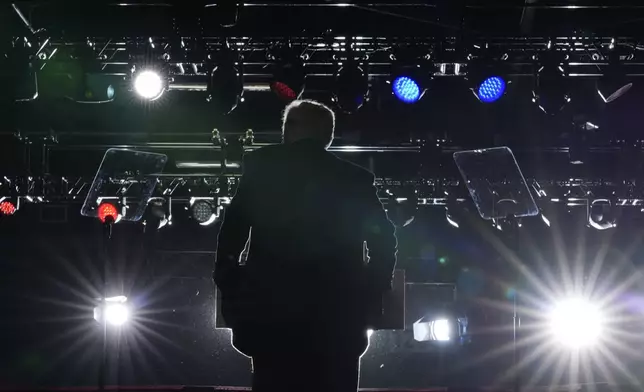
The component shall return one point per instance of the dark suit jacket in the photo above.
(309, 214)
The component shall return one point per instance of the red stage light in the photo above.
(283, 91)
(7, 208)
(106, 210)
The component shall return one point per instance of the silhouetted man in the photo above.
(301, 304)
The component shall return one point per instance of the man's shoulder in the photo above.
(354, 171)
(263, 153)
(267, 150)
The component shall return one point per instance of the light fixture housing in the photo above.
(487, 80)
(9, 206)
(83, 80)
(113, 311)
(289, 74)
(225, 82)
(551, 91)
(613, 84)
(204, 211)
(410, 77)
(18, 73)
(351, 87)
(445, 329)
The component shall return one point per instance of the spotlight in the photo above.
(7, 207)
(114, 311)
(18, 74)
(97, 88)
(203, 211)
(352, 87)
(406, 89)
(611, 89)
(491, 89)
(551, 92)
(409, 80)
(288, 75)
(576, 323)
(613, 84)
(228, 13)
(149, 84)
(441, 330)
(76, 74)
(486, 79)
(159, 213)
(225, 85)
(601, 215)
(107, 213)
(402, 207)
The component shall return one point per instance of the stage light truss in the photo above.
(573, 193)
(189, 60)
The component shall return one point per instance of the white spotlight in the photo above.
(576, 323)
(441, 330)
(116, 314)
(436, 330)
(149, 85)
(115, 311)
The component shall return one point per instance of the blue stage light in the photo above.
(491, 89)
(406, 89)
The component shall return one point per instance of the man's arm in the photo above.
(380, 235)
(233, 233)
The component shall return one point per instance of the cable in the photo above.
(411, 18)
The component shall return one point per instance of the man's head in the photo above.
(306, 119)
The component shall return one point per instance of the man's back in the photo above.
(310, 214)
(299, 305)
(307, 218)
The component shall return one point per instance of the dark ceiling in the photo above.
(385, 18)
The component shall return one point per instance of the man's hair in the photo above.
(307, 119)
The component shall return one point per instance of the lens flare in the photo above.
(576, 323)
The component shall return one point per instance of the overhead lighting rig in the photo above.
(226, 69)
(203, 196)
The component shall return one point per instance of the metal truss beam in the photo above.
(322, 56)
(475, 4)
(431, 192)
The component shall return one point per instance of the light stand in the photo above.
(103, 364)
(500, 193)
(512, 224)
